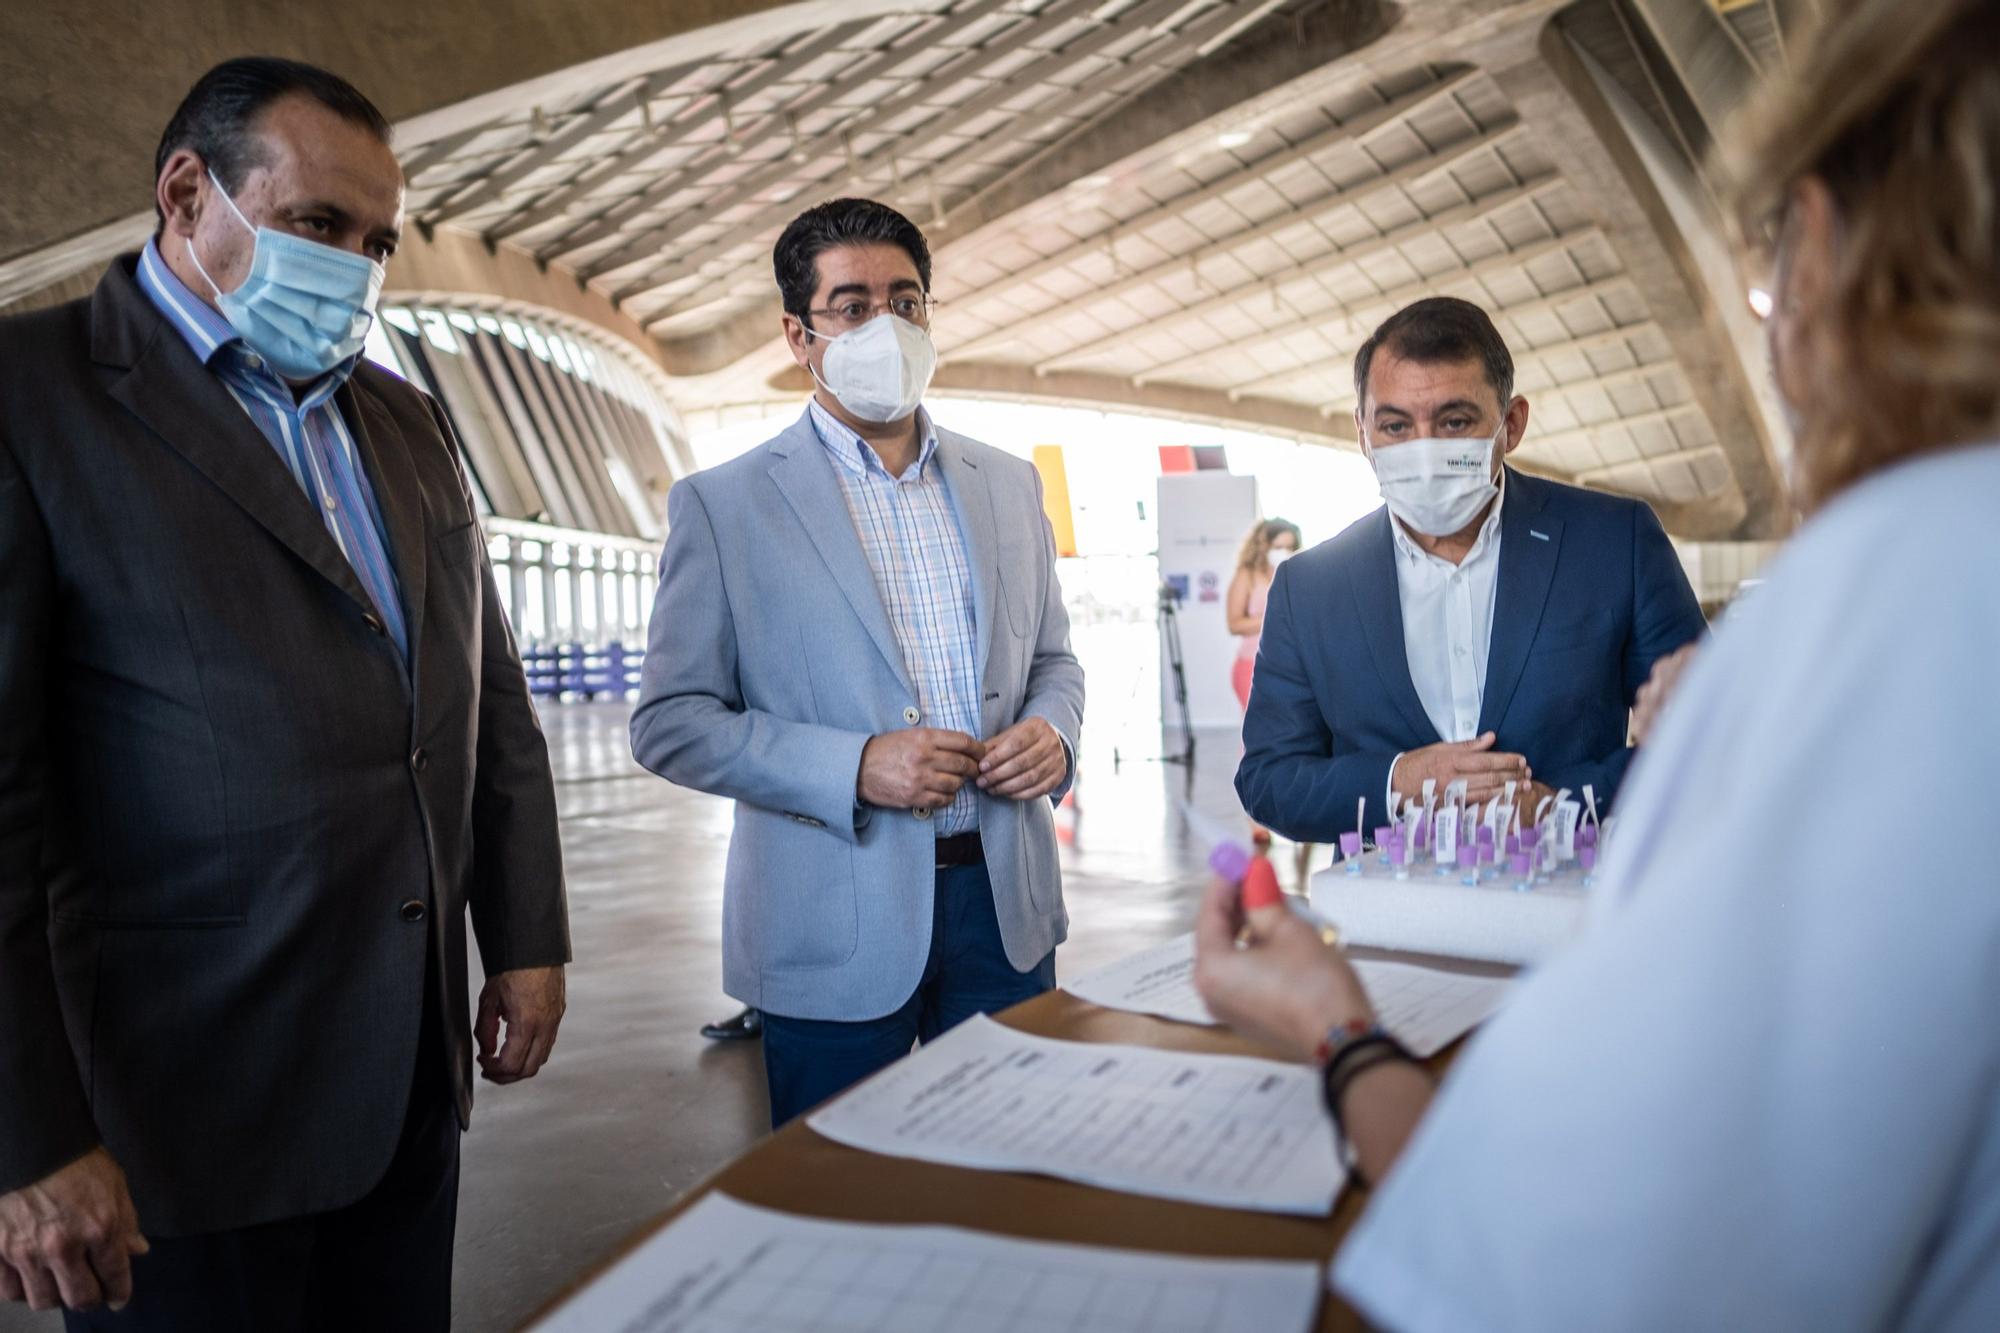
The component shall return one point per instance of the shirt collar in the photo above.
(1489, 533)
(216, 343)
(853, 453)
(198, 323)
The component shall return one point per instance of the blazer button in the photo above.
(374, 623)
(922, 812)
(910, 715)
(413, 910)
(421, 760)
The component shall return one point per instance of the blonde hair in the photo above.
(1257, 546)
(1896, 107)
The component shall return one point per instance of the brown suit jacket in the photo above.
(220, 791)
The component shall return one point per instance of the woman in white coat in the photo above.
(1763, 1090)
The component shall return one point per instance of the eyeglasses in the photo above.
(853, 313)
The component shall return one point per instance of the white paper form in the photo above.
(1228, 1130)
(728, 1267)
(1428, 1009)
(1157, 981)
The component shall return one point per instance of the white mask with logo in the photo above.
(1436, 486)
(1278, 555)
(879, 371)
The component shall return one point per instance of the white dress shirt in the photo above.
(1763, 1090)
(909, 533)
(1448, 626)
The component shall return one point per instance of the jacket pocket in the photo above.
(461, 544)
(131, 921)
(1586, 631)
(799, 892)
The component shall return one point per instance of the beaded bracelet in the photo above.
(1340, 1034)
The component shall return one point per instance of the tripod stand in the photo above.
(1168, 621)
(1170, 639)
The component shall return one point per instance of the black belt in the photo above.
(961, 849)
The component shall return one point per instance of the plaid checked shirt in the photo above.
(911, 538)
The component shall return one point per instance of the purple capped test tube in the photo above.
(1230, 861)
(1468, 863)
(1399, 856)
(1382, 834)
(1350, 852)
(1521, 866)
(1586, 860)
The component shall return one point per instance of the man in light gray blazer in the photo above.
(860, 639)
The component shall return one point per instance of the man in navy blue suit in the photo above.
(1483, 624)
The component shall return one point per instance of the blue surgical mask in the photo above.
(305, 307)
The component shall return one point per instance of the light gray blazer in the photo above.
(771, 662)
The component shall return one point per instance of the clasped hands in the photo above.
(1486, 772)
(925, 767)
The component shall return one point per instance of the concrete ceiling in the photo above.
(1194, 207)
(1191, 207)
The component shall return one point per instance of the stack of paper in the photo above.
(1214, 1129)
(726, 1267)
(1427, 1008)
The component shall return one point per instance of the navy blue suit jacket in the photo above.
(1590, 595)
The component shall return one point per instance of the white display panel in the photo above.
(1204, 517)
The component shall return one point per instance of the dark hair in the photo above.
(215, 119)
(835, 223)
(1438, 329)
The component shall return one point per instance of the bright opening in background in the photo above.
(1112, 461)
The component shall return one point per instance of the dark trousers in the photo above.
(808, 1060)
(382, 1263)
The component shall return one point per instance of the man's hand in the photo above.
(919, 768)
(1486, 771)
(70, 1237)
(1284, 986)
(1024, 762)
(530, 1001)
(1659, 688)
(1529, 799)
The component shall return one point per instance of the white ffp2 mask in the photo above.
(1437, 486)
(879, 371)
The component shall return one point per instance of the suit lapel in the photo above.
(972, 498)
(1530, 540)
(804, 476)
(398, 495)
(187, 407)
(1381, 609)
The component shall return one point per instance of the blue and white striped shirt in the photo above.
(910, 534)
(306, 430)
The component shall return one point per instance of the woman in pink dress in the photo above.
(1272, 542)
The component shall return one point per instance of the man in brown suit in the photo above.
(264, 740)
